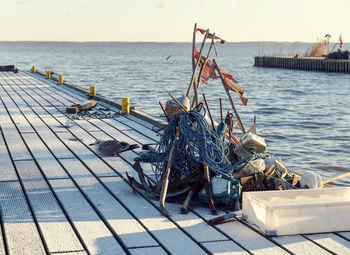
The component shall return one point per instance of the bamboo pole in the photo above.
(196, 66)
(165, 183)
(201, 73)
(208, 109)
(230, 98)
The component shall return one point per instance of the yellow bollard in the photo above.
(60, 79)
(92, 91)
(48, 74)
(33, 69)
(125, 105)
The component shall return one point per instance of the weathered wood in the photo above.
(335, 178)
(208, 110)
(167, 173)
(196, 66)
(230, 98)
(195, 99)
(81, 107)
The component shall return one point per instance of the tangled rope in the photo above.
(198, 145)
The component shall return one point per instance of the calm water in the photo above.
(304, 116)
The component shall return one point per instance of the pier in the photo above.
(57, 196)
(305, 63)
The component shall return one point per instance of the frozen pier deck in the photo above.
(58, 197)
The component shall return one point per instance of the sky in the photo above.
(173, 20)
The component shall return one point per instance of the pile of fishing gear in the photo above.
(199, 157)
(339, 54)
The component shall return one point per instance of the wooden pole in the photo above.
(208, 109)
(197, 63)
(338, 177)
(193, 47)
(165, 183)
(208, 188)
(166, 115)
(230, 98)
(222, 118)
(181, 105)
(195, 100)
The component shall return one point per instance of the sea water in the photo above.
(304, 116)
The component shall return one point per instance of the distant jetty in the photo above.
(305, 63)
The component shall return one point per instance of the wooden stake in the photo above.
(196, 66)
(338, 177)
(165, 183)
(230, 98)
(193, 47)
(211, 118)
(208, 188)
(222, 118)
(195, 99)
(166, 115)
(181, 105)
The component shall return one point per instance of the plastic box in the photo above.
(299, 211)
(253, 142)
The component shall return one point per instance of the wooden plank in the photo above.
(7, 170)
(129, 230)
(16, 115)
(223, 247)
(147, 251)
(4, 116)
(21, 233)
(332, 242)
(43, 156)
(89, 158)
(55, 228)
(244, 235)
(15, 144)
(299, 245)
(97, 237)
(166, 232)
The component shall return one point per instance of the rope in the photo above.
(199, 145)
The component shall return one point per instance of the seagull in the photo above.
(112, 147)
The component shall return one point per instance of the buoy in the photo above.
(92, 91)
(48, 74)
(33, 69)
(60, 79)
(125, 105)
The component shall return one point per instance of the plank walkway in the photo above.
(57, 196)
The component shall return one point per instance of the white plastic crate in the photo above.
(299, 211)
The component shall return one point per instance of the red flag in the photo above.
(227, 75)
(238, 90)
(341, 41)
(210, 36)
(208, 72)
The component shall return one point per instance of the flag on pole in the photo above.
(341, 41)
(210, 36)
(231, 86)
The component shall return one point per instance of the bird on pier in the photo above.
(112, 147)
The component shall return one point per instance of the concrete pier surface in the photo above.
(57, 196)
(305, 63)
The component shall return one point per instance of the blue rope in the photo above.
(199, 144)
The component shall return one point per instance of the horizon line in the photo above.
(53, 41)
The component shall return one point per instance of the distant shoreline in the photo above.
(145, 42)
